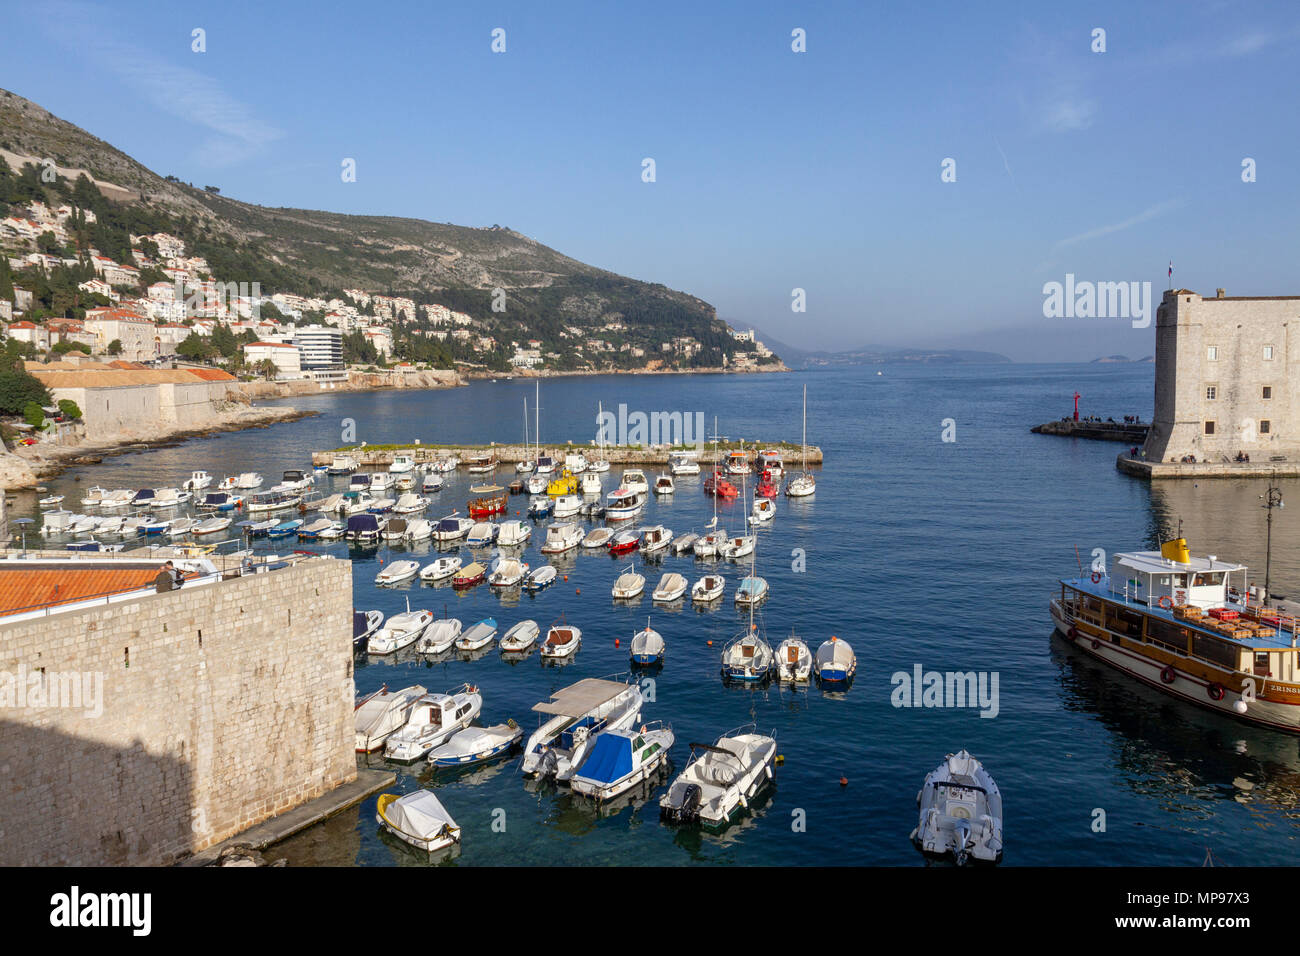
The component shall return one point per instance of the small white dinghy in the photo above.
(655, 538)
(539, 578)
(628, 585)
(401, 630)
(793, 661)
(647, 647)
(398, 571)
(520, 637)
(620, 759)
(737, 546)
(597, 537)
(562, 640)
(961, 813)
(508, 573)
(418, 819)
(439, 636)
(836, 662)
(685, 543)
(381, 714)
(751, 590)
(442, 568)
(720, 780)
(211, 526)
(476, 745)
(671, 587)
(432, 720)
(513, 533)
(708, 588)
(479, 636)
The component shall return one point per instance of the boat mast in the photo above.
(537, 411)
(804, 442)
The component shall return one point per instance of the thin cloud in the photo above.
(1068, 114)
(1151, 212)
(236, 133)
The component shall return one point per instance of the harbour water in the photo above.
(916, 550)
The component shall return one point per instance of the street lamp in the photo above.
(1272, 498)
(22, 529)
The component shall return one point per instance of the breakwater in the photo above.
(369, 456)
(1099, 431)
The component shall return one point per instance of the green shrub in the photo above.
(33, 414)
(70, 409)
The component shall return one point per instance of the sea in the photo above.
(937, 535)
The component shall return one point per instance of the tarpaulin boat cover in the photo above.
(419, 814)
(358, 523)
(610, 759)
(359, 623)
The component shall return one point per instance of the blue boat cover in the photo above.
(610, 759)
(366, 522)
(358, 623)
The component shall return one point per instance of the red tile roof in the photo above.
(29, 588)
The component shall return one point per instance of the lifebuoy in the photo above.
(1096, 577)
(1095, 643)
(1072, 633)
(1166, 602)
(1215, 691)
(1168, 674)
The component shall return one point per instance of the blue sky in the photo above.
(775, 169)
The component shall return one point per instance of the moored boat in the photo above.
(419, 819)
(476, 745)
(395, 572)
(793, 661)
(836, 662)
(520, 637)
(647, 647)
(540, 578)
(432, 720)
(562, 640)
(381, 714)
(960, 813)
(628, 585)
(478, 636)
(442, 568)
(708, 588)
(620, 759)
(721, 780)
(670, 588)
(574, 714)
(399, 631)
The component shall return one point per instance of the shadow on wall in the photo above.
(71, 801)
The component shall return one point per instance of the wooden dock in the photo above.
(371, 456)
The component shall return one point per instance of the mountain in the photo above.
(317, 253)
(877, 355)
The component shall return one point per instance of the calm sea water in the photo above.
(916, 551)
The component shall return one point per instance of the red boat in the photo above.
(765, 487)
(624, 541)
(487, 505)
(469, 576)
(715, 484)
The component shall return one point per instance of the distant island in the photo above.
(1120, 358)
(797, 358)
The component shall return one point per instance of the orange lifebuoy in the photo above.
(1166, 602)
(1072, 633)
(1095, 643)
(1096, 577)
(1168, 674)
(1215, 691)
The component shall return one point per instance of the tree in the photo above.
(266, 368)
(195, 348)
(18, 388)
(115, 347)
(33, 414)
(70, 409)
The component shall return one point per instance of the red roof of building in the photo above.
(211, 374)
(29, 588)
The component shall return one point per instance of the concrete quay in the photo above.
(1141, 468)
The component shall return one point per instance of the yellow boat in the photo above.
(418, 819)
(566, 483)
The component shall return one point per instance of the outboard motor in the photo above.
(961, 847)
(548, 765)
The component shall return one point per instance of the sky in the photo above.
(774, 170)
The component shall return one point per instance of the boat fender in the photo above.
(1096, 577)
(1215, 691)
(1168, 674)
(1166, 602)
(1072, 633)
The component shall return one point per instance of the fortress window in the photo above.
(1209, 428)
(1264, 426)
(1212, 353)
(1268, 352)
(1211, 392)
(1268, 391)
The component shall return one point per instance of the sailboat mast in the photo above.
(804, 442)
(537, 411)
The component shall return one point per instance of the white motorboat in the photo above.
(525, 467)
(513, 533)
(508, 573)
(431, 483)
(394, 529)
(334, 531)
(418, 529)
(793, 661)
(365, 623)
(737, 546)
(836, 662)
(443, 466)
(567, 505)
(452, 527)
(381, 714)
(432, 721)
(410, 503)
(621, 759)
(770, 462)
(573, 715)
(709, 545)
(539, 506)
(439, 636)
(708, 588)
(589, 483)
(360, 481)
(110, 524)
(211, 525)
(685, 543)
(442, 568)
(540, 578)
(561, 537)
(803, 484)
(482, 534)
(737, 463)
(621, 504)
(629, 584)
(395, 572)
(419, 819)
(655, 538)
(272, 501)
(721, 779)
(479, 636)
(365, 528)
(751, 590)
(634, 480)
(520, 637)
(330, 504)
(476, 745)
(399, 631)
(342, 465)
(248, 479)
(664, 485)
(747, 658)
(197, 481)
(536, 484)
(381, 506)
(228, 483)
(178, 527)
(402, 464)
(597, 537)
(647, 647)
(562, 640)
(683, 463)
(671, 587)
(168, 498)
(576, 462)
(84, 524)
(960, 813)
(380, 482)
(482, 464)
(545, 465)
(764, 510)
(107, 500)
(356, 502)
(296, 479)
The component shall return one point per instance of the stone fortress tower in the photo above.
(1227, 378)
